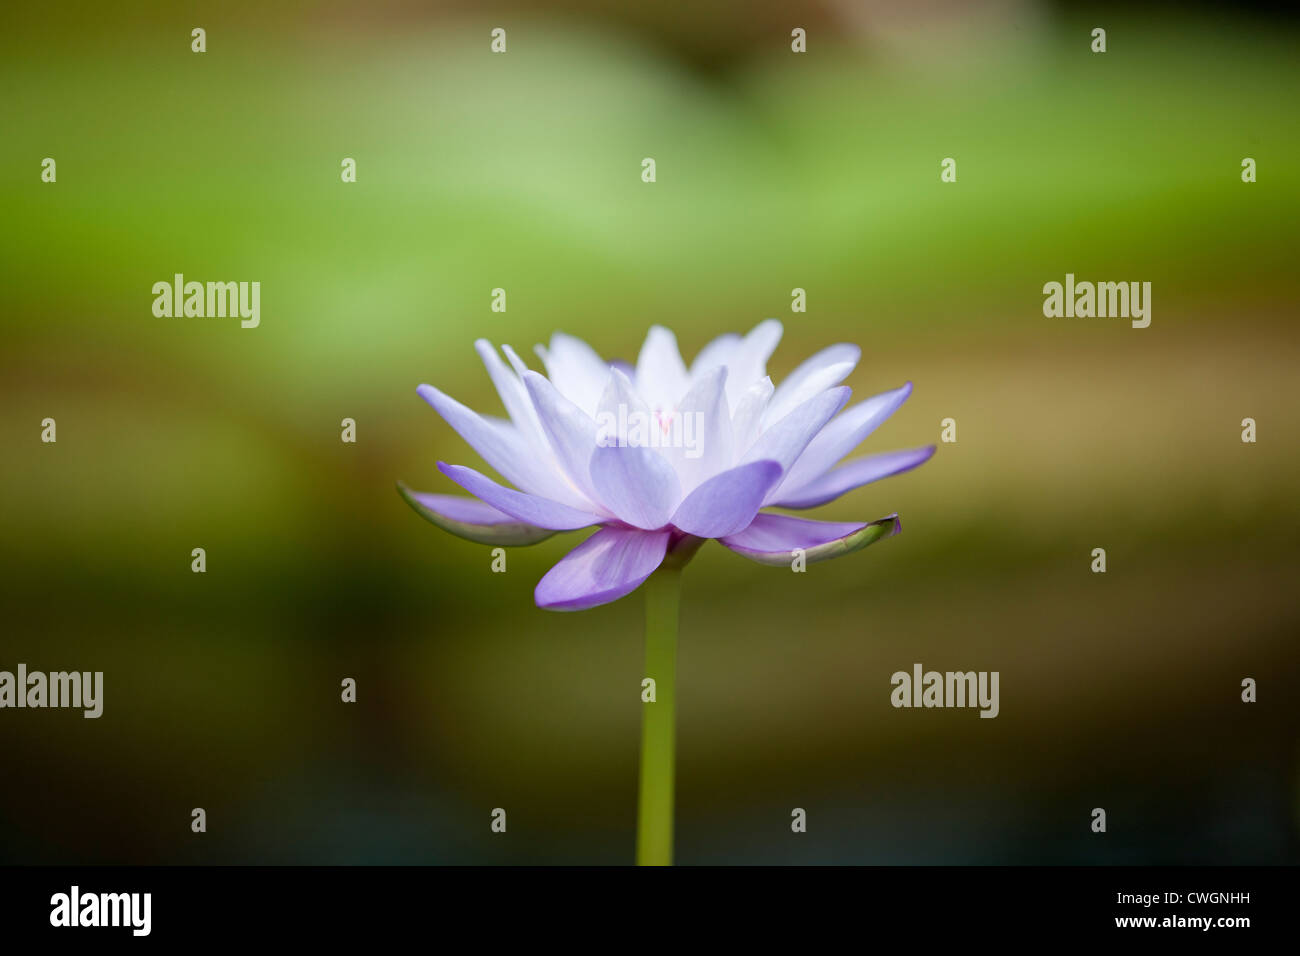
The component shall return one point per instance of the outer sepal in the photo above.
(483, 528)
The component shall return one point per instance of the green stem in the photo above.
(654, 825)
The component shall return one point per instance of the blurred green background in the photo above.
(522, 171)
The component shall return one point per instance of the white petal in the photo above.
(718, 352)
(576, 370)
(515, 361)
(828, 367)
(746, 423)
(749, 363)
(660, 372)
(570, 431)
(621, 416)
(700, 436)
(636, 482)
(513, 394)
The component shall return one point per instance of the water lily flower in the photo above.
(660, 458)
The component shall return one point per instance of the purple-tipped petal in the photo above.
(773, 539)
(472, 519)
(785, 441)
(853, 474)
(489, 442)
(636, 484)
(611, 563)
(501, 446)
(541, 512)
(841, 436)
(727, 503)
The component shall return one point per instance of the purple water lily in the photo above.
(661, 457)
